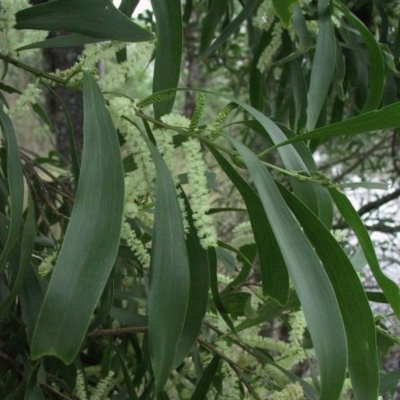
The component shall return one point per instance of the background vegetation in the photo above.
(216, 216)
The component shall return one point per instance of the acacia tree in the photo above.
(128, 289)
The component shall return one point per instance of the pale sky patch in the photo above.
(142, 6)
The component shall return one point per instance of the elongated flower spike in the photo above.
(199, 199)
(221, 117)
(155, 98)
(201, 101)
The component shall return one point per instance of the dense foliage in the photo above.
(190, 251)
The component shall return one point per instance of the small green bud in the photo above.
(214, 135)
(238, 161)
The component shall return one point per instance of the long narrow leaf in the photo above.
(91, 242)
(247, 10)
(98, 18)
(26, 250)
(212, 262)
(198, 295)
(377, 70)
(270, 310)
(128, 380)
(275, 278)
(167, 66)
(310, 280)
(289, 155)
(31, 297)
(74, 39)
(15, 183)
(214, 17)
(170, 274)
(390, 289)
(206, 379)
(386, 118)
(323, 65)
(356, 312)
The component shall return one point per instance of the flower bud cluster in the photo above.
(165, 145)
(200, 198)
(89, 59)
(11, 38)
(272, 48)
(28, 97)
(265, 16)
(47, 264)
(139, 183)
(201, 101)
(99, 392)
(242, 235)
(138, 55)
(293, 391)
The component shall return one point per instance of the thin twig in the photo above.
(32, 70)
(118, 331)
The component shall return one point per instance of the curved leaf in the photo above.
(247, 10)
(198, 294)
(206, 379)
(346, 209)
(310, 280)
(167, 66)
(289, 155)
(212, 262)
(275, 278)
(377, 70)
(323, 65)
(356, 312)
(214, 16)
(170, 275)
(386, 118)
(98, 18)
(26, 250)
(15, 183)
(74, 39)
(91, 241)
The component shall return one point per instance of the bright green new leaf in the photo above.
(169, 289)
(283, 11)
(97, 18)
(91, 241)
(310, 280)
